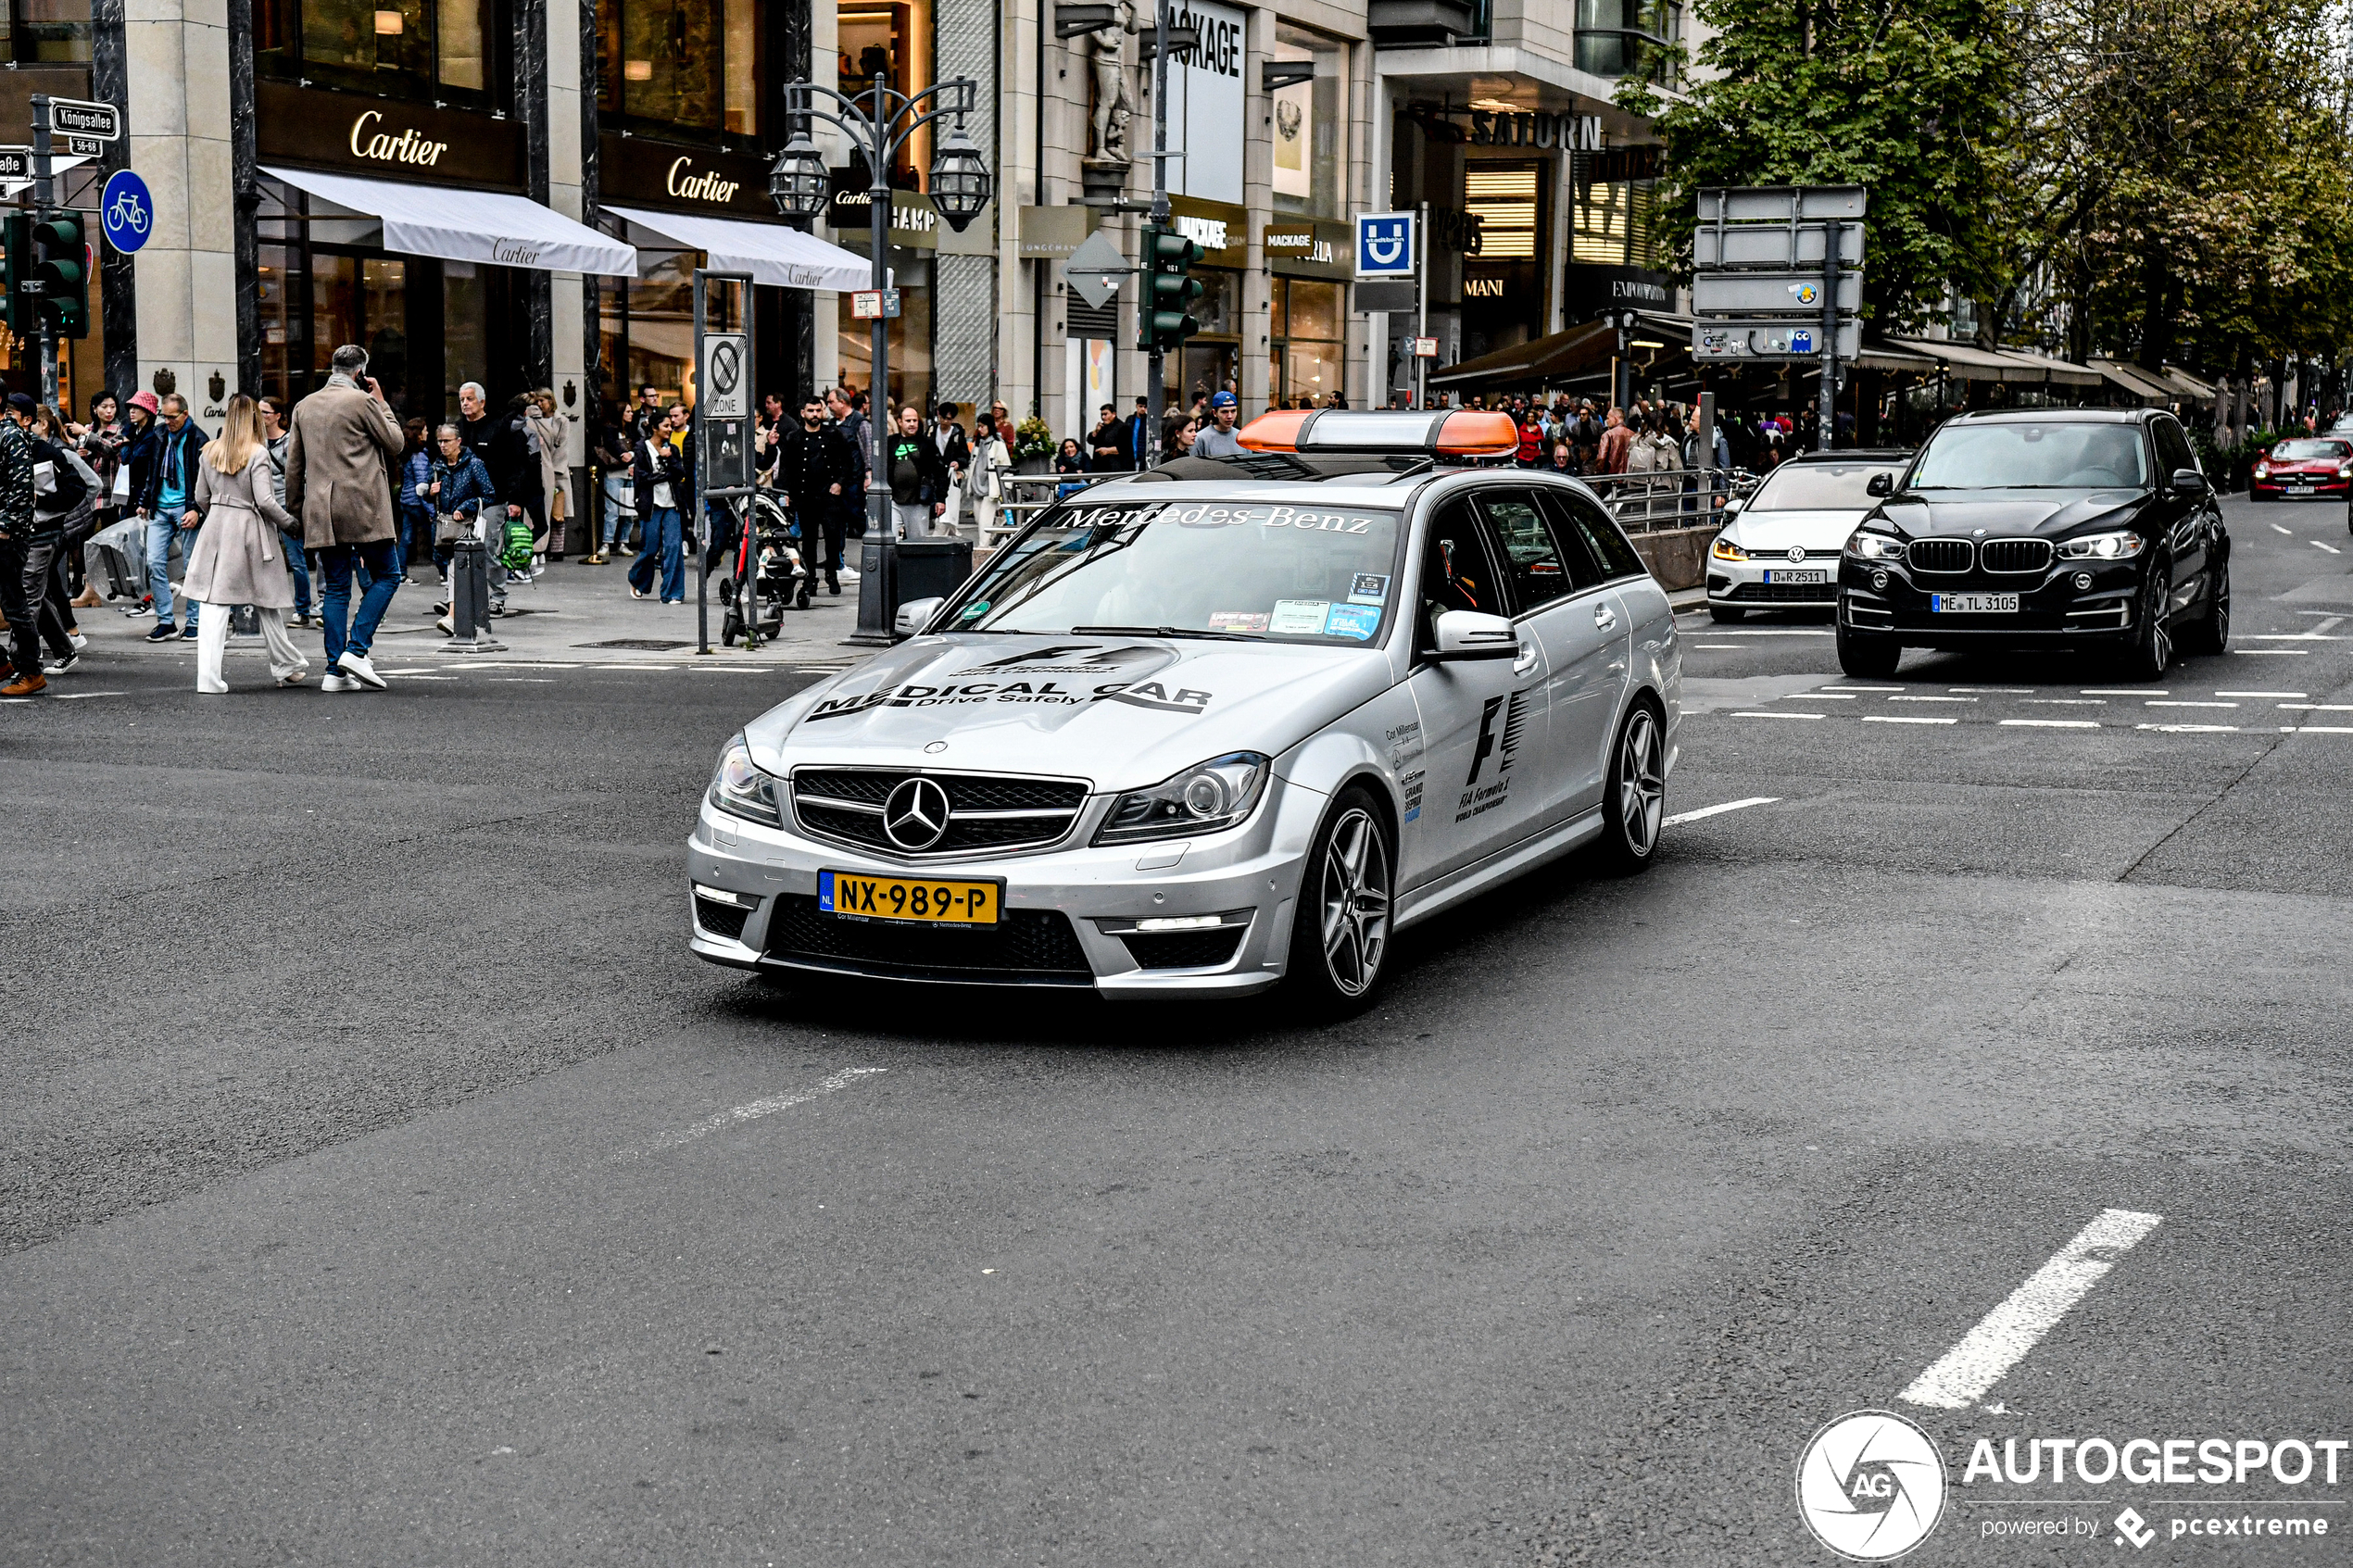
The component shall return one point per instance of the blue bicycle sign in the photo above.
(126, 211)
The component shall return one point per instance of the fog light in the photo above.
(2083, 580)
(1181, 922)
(1879, 581)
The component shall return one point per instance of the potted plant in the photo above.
(1033, 446)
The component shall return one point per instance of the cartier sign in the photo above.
(647, 172)
(312, 128)
(683, 182)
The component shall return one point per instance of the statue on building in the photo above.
(1114, 101)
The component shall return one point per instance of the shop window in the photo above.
(1626, 37)
(1309, 329)
(681, 64)
(1311, 127)
(1504, 196)
(43, 31)
(894, 37)
(1615, 224)
(425, 51)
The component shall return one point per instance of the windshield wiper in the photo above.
(1163, 632)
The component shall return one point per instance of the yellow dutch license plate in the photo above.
(919, 899)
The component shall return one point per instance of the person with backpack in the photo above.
(64, 516)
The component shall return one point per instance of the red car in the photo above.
(2321, 467)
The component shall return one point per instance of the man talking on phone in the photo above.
(345, 437)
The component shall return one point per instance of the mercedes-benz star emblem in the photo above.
(916, 815)
(1797, 552)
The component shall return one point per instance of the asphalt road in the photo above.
(382, 1183)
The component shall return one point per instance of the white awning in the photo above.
(462, 225)
(770, 252)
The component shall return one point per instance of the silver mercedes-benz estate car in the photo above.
(1212, 727)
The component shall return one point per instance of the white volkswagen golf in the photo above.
(1213, 727)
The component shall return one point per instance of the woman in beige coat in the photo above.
(550, 431)
(240, 555)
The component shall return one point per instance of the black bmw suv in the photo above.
(2084, 527)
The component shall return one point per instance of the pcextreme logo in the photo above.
(1871, 1486)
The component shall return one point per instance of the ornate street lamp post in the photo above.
(878, 122)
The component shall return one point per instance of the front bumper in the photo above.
(1069, 913)
(1752, 585)
(2301, 486)
(1891, 598)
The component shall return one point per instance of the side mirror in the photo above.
(914, 615)
(1881, 483)
(2189, 482)
(1468, 635)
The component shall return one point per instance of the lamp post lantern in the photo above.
(877, 123)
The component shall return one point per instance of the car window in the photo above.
(2054, 454)
(1804, 487)
(1531, 560)
(2174, 451)
(2311, 451)
(1455, 574)
(1577, 517)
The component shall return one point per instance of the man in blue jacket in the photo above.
(163, 476)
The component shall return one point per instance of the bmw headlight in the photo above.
(1217, 794)
(2122, 544)
(1725, 549)
(1876, 546)
(741, 789)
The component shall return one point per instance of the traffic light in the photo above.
(61, 263)
(23, 306)
(1166, 320)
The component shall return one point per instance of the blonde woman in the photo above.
(240, 554)
(550, 431)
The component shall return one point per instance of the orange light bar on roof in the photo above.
(1463, 433)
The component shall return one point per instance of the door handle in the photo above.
(1527, 659)
(1604, 617)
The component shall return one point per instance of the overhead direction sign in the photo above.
(78, 117)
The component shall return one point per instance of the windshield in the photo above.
(2311, 451)
(2032, 457)
(1819, 487)
(1287, 573)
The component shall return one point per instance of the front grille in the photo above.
(1186, 949)
(1940, 555)
(1031, 946)
(721, 920)
(2014, 555)
(1784, 592)
(845, 804)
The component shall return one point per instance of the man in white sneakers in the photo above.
(345, 436)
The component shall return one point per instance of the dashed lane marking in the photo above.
(1783, 631)
(2125, 691)
(2329, 548)
(1864, 688)
(1733, 646)
(2190, 729)
(2277, 529)
(2259, 694)
(2321, 706)
(2053, 723)
(2277, 653)
(1719, 810)
(753, 1111)
(1756, 713)
(1904, 719)
(2315, 729)
(1828, 697)
(2067, 702)
(1997, 691)
(2290, 637)
(1932, 699)
(2003, 1336)
(77, 696)
(2186, 704)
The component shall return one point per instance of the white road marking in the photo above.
(1718, 810)
(77, 696)
(2322, 707)
(753, 1111)
(2277, 529)
(2054, 723)
(1755, 713)
(2330, 624)
(1786, 632)
(2329, 548)
(1997, 691)
(1695, 644)
(1828, 697)
(2067, 701)
(2282, 653)
(2259, 694)
(2004, 1336)
(1904, 719)
(2179, 704)
(1932, 699)
(2125, 691)
(1862, 688)
(2318, 730)
(2290, 637)
(2190, 729)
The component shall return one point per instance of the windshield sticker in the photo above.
(965, 694)
(1208, 514)
(1359, 622)
(1237, 620)
(976, 609)
(1298, 618)
(1368, 588)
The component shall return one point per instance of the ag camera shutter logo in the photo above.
(1871, 1486)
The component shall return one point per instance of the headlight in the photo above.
(1724, 550)
(740, 787)
(2262, 469)
(1215, 795)
(2120, 545)
(1876, 546)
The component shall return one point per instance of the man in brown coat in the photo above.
(345, 438)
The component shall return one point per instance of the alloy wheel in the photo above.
(1355, 897)
(1640, 783)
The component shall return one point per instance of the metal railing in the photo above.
(1024, 496)
(1664, 498)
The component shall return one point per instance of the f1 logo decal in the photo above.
(1488, 739)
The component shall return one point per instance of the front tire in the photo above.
(1634, 795)
(2151, 652)
(1340, 932)
(1865, 657)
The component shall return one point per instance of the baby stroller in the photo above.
(769, 576)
